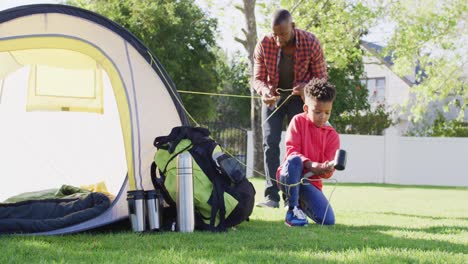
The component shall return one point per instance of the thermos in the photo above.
(153, 209)
(136, 209)
(185, 206)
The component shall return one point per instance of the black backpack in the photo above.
(227, 203)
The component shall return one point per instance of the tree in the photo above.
(439, 127)
(250, 33)
(234, 75)
(364, 122)
(181, 37)
(430, 36)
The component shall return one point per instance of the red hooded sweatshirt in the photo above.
(317, 144)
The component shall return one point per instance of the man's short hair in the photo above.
(320, 89)
(280, 16)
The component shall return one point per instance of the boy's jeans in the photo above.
(312, 201)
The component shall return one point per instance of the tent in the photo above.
(81, 101)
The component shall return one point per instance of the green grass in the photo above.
(375, 224)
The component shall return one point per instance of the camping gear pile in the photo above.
(83, 97)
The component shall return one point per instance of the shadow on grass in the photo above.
(344, 237)
(400, 186)
(256, 241)
(119, 226)
(425, 217)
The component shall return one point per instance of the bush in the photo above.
(441, 127)
(363, 122)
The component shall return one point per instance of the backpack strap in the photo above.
(204, 148)
(158, 184)
(217, 205)
(173, 157)
(195, 134)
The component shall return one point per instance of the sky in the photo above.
(228, 30)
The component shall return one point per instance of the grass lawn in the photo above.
(375, 224)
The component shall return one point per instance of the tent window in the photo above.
(59, 79)
(60, 82)
(62, 89)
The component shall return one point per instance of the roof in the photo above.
(377, 50)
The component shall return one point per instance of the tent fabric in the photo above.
(1, 90)
(78, 47)
(28, 10)
(49, 85)
(8, 65)
(50, 72)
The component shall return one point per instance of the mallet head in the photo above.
(340, 159)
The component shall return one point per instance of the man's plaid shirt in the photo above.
(308, 61)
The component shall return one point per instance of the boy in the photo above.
(311, 144)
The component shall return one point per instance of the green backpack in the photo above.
(223, 196)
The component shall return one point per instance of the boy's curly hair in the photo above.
(321, 90)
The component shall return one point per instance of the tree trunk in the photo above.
(250, 33)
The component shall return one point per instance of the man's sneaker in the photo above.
(268, 204)
(296, 217)
(286, 204)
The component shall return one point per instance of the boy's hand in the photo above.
(319, 168)
(325, 167)
(328, 166)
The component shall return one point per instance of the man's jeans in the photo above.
(311, 200)
(272, 129)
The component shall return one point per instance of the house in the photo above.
(385, 87)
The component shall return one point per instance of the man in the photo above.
(286, 59)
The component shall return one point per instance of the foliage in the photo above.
(375, 224)
(181, 37)
(441, 127)
(351, 96)
(363, 122)
(249, 41)
(235, 80)
(430, 36)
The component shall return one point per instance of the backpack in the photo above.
(223, 196)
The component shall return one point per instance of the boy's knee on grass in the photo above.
(329, 220)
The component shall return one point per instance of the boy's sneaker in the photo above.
(296, 217)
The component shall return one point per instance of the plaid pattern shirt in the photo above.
(309, 61)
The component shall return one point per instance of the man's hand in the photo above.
(268, 98)
(299, 90)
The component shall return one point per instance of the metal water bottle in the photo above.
(136, 209)
(185, 206)
(153, 209)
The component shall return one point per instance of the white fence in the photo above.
(399, 160)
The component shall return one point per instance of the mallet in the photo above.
(340, 159)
